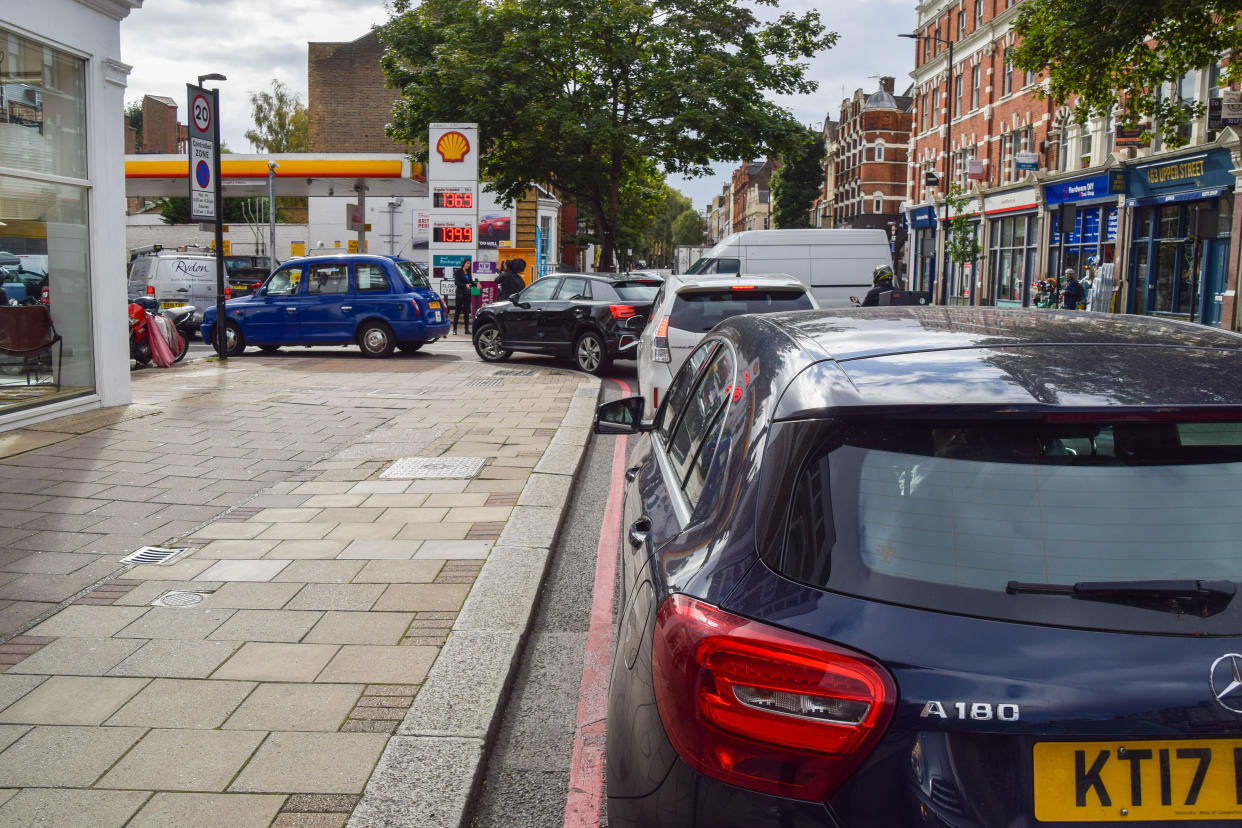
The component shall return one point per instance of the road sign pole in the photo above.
(219, 329)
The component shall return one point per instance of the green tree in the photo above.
(961, 242)
(133, 118)
(280, 121)
(579, 94)
(660, 238)
(689, 228)
(1112, 55)
(799, 181)
(176, 209)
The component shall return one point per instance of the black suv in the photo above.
(246, 273)
(594, 318)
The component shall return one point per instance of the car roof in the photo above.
(715, 280)
(612, 277)
(992, 356)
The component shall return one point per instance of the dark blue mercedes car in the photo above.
(376, 302)
(933, 567)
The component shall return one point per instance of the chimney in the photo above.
(886, 83)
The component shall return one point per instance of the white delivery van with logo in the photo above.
(834, 264)
(178, 278)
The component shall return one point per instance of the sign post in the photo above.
(205, 198)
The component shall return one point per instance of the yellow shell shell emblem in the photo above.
(453, 146)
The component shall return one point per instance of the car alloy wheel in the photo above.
(375, 340)
(234, 341)
(488, 344)
(589, 353)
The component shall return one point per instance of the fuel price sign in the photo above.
(452, 234)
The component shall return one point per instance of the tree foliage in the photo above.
(660, 238)
(133, 118)
(799, 181)
(961, 241)
(689, 228)
(580, 94)
(280, 121)
(1116, 54)
(176, 210)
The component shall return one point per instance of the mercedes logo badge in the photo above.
(1226, 682)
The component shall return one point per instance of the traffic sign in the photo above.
(204, 155)
(200, 110)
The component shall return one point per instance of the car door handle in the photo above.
(291, 310)
(638, 532)
(631, 473)
(347, 307)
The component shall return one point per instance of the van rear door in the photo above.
(186, 281)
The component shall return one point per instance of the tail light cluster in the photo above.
(622, 311)
(659, 345)
(764, 708)
(418, 312)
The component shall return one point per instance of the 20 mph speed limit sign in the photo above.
(203, 150)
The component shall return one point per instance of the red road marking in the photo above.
(586, 771)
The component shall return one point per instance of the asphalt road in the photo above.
(528, 774)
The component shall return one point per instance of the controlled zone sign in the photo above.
(203, 151)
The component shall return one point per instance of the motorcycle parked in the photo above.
(146, 321)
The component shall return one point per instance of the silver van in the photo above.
(178, 278)
(834, 264)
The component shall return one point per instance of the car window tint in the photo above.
(679, 389)
(412, 274)
(541, 291)
(284, 282)
(710, 450)
(703, 310)
(638, 290)
(574, 287)
(328, 278)
(706, 401)
(370, 277)
(603, 291)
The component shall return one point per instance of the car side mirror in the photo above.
(623, 416)
(513, 297)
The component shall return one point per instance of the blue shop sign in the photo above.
(1200, 171)
(922, 217)
(1106, 185)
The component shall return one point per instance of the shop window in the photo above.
(1012, 257)
(42, 109)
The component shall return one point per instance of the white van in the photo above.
(835, 264)
(178, 278)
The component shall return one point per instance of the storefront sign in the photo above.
(974, 169)
(1078, 189)
(1189, 172)
(1130, 136)
(922, 217)
(1026, 161)
(1023, 199)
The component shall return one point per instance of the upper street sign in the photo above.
(203, 146)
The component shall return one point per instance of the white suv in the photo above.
(687, 307)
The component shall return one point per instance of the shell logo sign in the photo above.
(453, 147)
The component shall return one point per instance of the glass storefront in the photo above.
(924, 275)
(1094, 237)
(1178, 268)
(1013, 240)
(46, 344)
(960, 285)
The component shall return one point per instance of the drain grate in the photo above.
(179, 598)
(513, 372)
(440, 468)
(483, 383)
(157, 555)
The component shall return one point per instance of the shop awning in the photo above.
(1174, 198)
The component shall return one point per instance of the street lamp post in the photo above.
(948, 155)
(215, 105)
(271, 216)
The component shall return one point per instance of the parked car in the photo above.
(687, 307)
(593, 318)
(932, 567)
(246, 273)
(378, 302)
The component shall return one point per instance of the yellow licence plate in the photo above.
(433, 305)
(1138, 781)
(171, 304)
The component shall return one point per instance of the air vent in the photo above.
(156, 555)
(513, 372)
(177, 598)
(422, 468)
(483, 383)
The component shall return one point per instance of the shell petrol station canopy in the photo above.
(297, 174)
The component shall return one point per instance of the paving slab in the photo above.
(171, 658)
(379, 664)
(183, 760)
(344, 763)
(243, 570)
(49, 757)
(192, 622)
(199, 810)
(88, 621)
(72, 700)
(292, 707)
(422, 598)
(183, 703)
(77, 656)
(258, 661)
(267, 625)
(47, 807)
(359, 628)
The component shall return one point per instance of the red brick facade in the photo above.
(348, 103)
(752, 195)
(869, 175)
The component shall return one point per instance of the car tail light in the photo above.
(622, 311)
(659, 345)
(228, 291)
(763, 708)
(741, 287)
(150, 290)
(655, 397)
(418, 312)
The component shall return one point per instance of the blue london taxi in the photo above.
(376, 302)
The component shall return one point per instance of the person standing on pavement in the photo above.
(462, 300)
(1072, 295)
(509, 282)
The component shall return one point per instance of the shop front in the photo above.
(1182, 213)
(922, 248)
(1012, 243)
(63, 341)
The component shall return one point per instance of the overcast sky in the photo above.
(171, 42)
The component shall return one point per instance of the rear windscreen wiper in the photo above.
(1189, 597)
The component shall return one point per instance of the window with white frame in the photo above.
(878, 202)
(879, 150)
(974, 87)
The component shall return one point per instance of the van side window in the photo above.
(284, 282)
(728, 265)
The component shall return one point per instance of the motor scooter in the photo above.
(142, 326)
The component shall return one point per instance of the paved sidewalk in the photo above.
(319, 608)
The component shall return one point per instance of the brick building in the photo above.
(348, 104)
(869, 178)
(824, 213)
(1150, 225)
(752, 195)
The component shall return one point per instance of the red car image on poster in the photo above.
(494, 228)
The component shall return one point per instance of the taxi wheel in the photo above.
(234, 340)
(375, 340)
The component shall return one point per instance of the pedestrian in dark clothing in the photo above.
(1073, 291)
(509, 281)
(882, 280)
(461, 294)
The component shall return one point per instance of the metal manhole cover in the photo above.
(179, 598)
(421, 468)
(513, 372)
(483, 383)
(152, 555)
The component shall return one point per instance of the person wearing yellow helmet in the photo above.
(882, 281)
